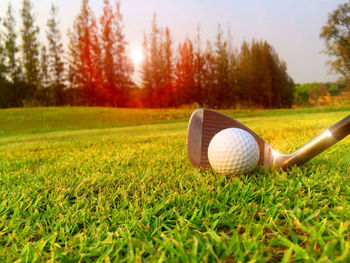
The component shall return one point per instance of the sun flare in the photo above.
(136, 56)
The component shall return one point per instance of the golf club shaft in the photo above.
(322, 142)
(341, 129)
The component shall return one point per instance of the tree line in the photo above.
(309, 94)
(96, 70)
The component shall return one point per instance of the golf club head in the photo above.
(203, 125)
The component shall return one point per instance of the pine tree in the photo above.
(282, 84)
(44, 70)
(2, 61)
(108, 40)
(116, 67)
(245, 73)
(261, 78)
(209, 70)
(267, 96)
(184, 80)
(152, 68)
(146, 73)
(99, 91)
(10, 49)
(198, 69)
(5, 91)
(158, 68)
(55, 55)
(223, 92)
(13, 90)
(83, 71)
(167, 96)
(123, 67)
(30, 44)
(233, 79)
(155, 56)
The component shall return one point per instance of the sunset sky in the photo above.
(292, 27)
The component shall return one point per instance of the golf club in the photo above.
(204, 124)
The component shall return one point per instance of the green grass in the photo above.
(94, 184)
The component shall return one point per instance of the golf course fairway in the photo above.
(97, 184)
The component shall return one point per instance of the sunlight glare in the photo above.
(136, 56)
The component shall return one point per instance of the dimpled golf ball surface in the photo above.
(233, 151)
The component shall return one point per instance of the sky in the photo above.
(292, 27)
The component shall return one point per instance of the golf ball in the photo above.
(233, 151)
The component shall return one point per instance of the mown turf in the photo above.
(108, 190)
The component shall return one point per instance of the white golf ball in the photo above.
(233, 151)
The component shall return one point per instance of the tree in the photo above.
(208, 92)
(301, 95)
(336, 34)
(83, 66)
(157, 67)
(333, 89)
(44, 71)
(30, 44)
(166, 92)
(224, 93)
(4, 85)
(55, 54)
(146, 78)
(198, 68)
(108, 40)
(233, 78)
(282, 84)
(123, 67)
(96, 56)
(184, 74)
(2, 60)
(10, 49)
(263, 77)
(245, 74)
(155, 62)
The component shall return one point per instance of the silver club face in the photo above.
(204, 124)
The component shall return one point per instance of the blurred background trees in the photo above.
(96, 70)
(336, 34)
(215, 77)
(55, 65)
